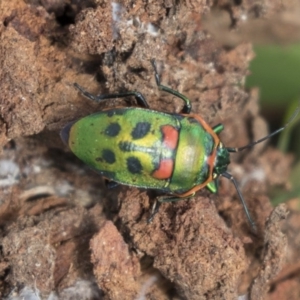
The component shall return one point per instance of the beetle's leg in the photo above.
(154, 210)
(174, 199)
(213, 186)
(187, 103)
(218, 128)
(230, 177)
(110, 184)
(138, 96)
(160, 200)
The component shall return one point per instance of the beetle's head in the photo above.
(222, 160)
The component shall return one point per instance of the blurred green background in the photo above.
(276, 71)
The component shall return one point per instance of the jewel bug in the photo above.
(175, 153)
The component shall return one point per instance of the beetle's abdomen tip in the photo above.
(65, 133)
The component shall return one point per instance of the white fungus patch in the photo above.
(9, 172)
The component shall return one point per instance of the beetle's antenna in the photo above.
(268, 136)
(230, 177)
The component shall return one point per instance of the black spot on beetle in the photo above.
(125, 146)
(112, 129)
(140, 130)
(134, 166)
(108, 156)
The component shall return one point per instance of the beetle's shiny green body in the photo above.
(146, 148)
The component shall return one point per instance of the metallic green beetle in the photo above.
(177, 154)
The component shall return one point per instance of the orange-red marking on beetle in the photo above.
(165, 169)
(170, 136)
